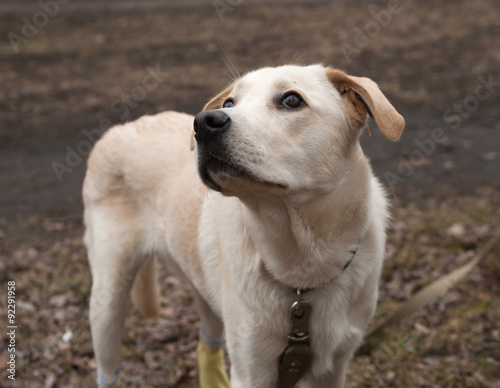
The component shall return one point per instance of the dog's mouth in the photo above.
(216, 171)
(211, 167)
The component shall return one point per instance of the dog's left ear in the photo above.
(219, 99)
(215, 103)
(364, 96)
(191, 146)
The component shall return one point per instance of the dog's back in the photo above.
(130, 160)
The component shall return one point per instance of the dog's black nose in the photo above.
(210, 124)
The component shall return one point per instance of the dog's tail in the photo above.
(145, 292)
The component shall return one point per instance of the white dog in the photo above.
(287, 210)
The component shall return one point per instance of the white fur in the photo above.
(241, 249)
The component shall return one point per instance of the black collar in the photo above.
(300, 291)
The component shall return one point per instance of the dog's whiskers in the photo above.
(229, 63)
(226, 73)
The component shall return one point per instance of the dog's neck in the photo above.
(306, 243)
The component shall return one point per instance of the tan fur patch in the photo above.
(217, 101)
(191, 145)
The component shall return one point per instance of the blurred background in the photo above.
(71, 69)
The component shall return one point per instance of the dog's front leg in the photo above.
(210, 352)
(336, 377)
(240, 381)
(254, 352)
(333, 379)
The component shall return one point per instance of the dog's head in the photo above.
(287, 129)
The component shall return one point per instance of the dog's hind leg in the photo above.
(210, 352)
(145, 293)
(114, 257)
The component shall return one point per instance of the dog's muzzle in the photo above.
(213, 156)
(216, 161)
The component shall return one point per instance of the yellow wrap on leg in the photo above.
(211, 370)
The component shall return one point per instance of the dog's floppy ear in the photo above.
(214, 103)
(217, 101)
(365, 97)
(191, 146)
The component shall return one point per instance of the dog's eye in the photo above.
(229, 103)
(292, 101)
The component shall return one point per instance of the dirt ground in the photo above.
(85, 68)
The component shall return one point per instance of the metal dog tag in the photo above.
(297, 356)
